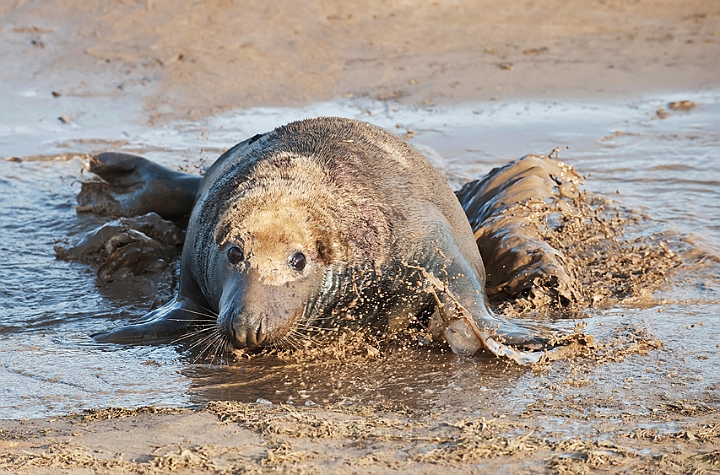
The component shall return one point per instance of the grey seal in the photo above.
(320, 224)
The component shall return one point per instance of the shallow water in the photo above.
(665, 168)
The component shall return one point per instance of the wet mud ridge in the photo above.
(231, 437)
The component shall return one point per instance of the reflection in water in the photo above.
(407, 376)
(665, 168)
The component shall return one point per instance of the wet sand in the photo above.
(222, 55)
(645, 401)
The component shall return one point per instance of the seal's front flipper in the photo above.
(467, 332)
(465, 337)
(169, 321)
(466, 322)
(133, 185)
(128, 246)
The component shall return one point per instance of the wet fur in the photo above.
(384, 235)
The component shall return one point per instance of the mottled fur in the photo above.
(384, 237)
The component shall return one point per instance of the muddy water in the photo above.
(666, 168)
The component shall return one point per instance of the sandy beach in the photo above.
(146, 64)
(189, 62)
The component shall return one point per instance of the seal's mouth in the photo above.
(247, 331)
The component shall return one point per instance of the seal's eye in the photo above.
(297, 261)
(235, 254)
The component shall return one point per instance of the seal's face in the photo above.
(272, 242)
(271, 268)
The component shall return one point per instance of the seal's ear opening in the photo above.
(323, 251)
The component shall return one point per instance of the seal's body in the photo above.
(325, 223)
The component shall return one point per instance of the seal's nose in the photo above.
(248, 333)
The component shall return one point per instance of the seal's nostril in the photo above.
(236, 336)
(249, 334)
(260, 334)
(239, 339)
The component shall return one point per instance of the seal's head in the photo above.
(274, 237)
(271, 267)
(278, 245)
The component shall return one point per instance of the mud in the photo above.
(351, 439)
(127, 247)
(630, 87)
(225, 55)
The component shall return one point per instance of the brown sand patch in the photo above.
(121, 412)
(303, 422)
(216, 56)
(344, 439)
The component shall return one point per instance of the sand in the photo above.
(191, 61)
(194, 60)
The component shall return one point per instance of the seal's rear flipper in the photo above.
(169, 321)
(133, 185)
